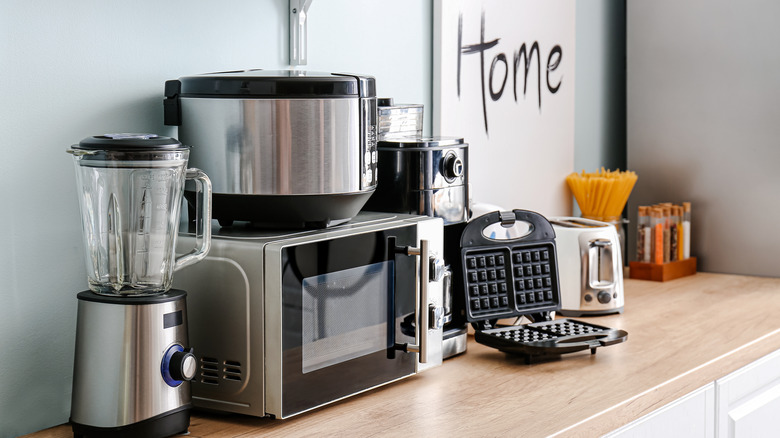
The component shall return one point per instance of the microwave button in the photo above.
(436, 317)
(519, 285)
(500, 260)
(483, 290)
(503, 290)
(481, 262)
(472, 262)
(474, 304)
(501, 275)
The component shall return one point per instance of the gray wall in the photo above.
(703, 112)
(73, 69)
(600, 89)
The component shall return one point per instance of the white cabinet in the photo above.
(690, 416)
(743, 404)
(748, 400)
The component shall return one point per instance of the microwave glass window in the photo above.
(345, 315)
(344, 306)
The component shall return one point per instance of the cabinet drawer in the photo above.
(748, 400)
(690, 416)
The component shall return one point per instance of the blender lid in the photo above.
(274, 84)
(421, 142)
(129, 142)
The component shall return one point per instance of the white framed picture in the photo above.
(503, 79)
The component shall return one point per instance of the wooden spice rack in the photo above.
(663, 272)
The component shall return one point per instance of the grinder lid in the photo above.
(275, 84)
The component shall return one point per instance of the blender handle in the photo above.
(203, 213)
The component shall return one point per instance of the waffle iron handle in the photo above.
(540, 227)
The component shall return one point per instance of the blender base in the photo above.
(163, 425)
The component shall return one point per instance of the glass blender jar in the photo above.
(130, 189)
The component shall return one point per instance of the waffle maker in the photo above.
(509, 269)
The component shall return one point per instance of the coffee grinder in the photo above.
(132, 360)
(429, 176)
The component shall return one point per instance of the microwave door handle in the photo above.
(421, 304)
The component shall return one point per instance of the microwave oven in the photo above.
(285, 322)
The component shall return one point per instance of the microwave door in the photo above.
(343, 305)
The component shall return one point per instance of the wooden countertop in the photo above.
(683, 334)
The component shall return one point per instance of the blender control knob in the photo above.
(452, 167)
(183, 365)
(178, 365)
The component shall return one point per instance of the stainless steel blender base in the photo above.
(122, 377)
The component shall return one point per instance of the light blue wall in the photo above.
(77, 68)
(69, 69)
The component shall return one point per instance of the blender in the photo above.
(132, 362)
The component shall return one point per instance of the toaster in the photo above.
(590, 266)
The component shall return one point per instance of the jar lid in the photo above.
(128, 142)
(421, 142)
(276, 84)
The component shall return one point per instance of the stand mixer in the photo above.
(132, 361)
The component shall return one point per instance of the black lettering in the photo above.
(500, 58)
(519, 55)
(480, 48)
(552, 65)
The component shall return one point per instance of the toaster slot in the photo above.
(600, 264)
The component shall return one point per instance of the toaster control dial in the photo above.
(604, 297)
(452, 167)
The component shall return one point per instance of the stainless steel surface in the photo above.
(427, 176)
(454, 345)
(446, 282)
(241, 324)
(119, 349)
(421, 307)
(432, 230)
(274, 146)
(601, 272)
(589, 265)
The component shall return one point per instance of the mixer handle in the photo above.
(203, 213)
